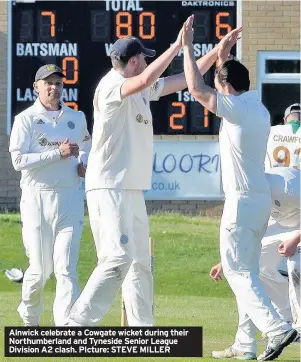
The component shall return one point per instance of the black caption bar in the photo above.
(103, 341)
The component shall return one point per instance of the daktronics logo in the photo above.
(44, 142)
(208, 3)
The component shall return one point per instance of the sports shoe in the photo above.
(276, 345)
(233, 353)
(297, 339)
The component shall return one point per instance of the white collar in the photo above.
(250, 94)
(41, 109)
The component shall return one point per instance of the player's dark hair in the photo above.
(119, 62)
(234, 73)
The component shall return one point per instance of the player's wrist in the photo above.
(176, 47)
(60, 152)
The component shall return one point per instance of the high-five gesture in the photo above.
(187, 36)
(178, 42)
(227, 43)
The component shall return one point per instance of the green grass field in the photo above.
(185, 249)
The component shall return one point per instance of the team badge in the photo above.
(43, 142)
(71, 125)
(156, 86)
(124, 239)
(139, 118)
(50, 67)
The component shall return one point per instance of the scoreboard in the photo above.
(78, 36)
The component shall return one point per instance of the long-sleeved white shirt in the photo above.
(34, 145)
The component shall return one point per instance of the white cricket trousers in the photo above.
(52, 223)
(120, 228)
(293, 267)
(277, 286)
(244, 222)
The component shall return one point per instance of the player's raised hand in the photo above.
(68, 149)
(178, 42)
(216, 272)
(187, 35)
(227, 43)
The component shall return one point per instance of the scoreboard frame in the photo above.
(10, 50)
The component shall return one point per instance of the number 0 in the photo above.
(141, 25)
(75, 70)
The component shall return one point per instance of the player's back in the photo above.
(283, 148)
(243, 140)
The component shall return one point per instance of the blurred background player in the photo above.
(283, 150)
(284, 236)
(284, 142)
(281, 240)
(49, 144)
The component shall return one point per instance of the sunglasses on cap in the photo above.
(295, 108)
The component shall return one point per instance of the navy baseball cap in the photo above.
(129, 47)
(48, 69)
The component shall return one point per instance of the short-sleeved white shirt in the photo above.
(285, 187)
(122, 143)
(243, 140)
(283, 147)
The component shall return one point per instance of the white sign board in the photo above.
(186, 170)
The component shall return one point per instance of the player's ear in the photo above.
(35, 87)
(133, 61)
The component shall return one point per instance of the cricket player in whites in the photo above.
(49, 144)
(119, 169)
(283, 151)
(243, 140)
(284, 143)
(282, 240)
(282, 243)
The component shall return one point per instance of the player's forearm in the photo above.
(220, 61)
(194, 79)
(206, 62)
(156, 68)
(178, 82)
(196, 85)
(28, 161)
(295, 240)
